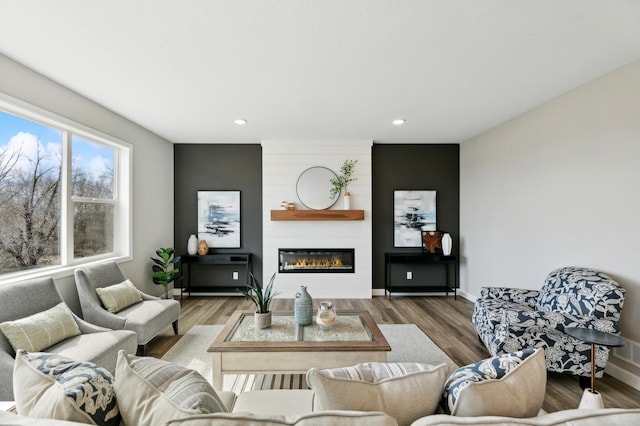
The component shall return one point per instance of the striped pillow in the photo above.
(42, 330)
(119, 296)
(405, 391)
(152, 391)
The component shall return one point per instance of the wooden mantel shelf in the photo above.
(317, 214)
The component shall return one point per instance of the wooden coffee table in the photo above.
(287, 348)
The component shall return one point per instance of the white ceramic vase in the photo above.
(192, 245)
(347, 200)
(447, 244)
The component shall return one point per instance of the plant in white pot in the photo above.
(342, 181)
(261, 298)
(164, 268)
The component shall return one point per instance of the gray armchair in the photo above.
(94, 344)
(147, 318)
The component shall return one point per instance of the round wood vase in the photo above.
(262, 320)
(203, 248)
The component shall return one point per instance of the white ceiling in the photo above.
(320, 69)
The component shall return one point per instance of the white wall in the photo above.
(557, 186)
(282, 163)
(152, 180)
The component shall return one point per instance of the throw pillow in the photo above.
(510, 385)
(405, 391)
(42, 330)
(50, 386)
(151, 391)
(119, 296)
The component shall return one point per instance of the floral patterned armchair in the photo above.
(510, 319)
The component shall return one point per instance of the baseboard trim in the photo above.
(623, 375)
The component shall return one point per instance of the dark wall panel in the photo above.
(219, 167)
(413, 167)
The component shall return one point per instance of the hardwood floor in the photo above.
(445, 320)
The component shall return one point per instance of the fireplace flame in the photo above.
(306, 262)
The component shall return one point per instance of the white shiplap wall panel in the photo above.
(282, 163)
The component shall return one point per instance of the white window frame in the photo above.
(123, 200)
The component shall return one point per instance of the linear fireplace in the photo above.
(312, 260)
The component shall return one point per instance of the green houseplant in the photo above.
(343, 180)
(261, 298)
(164, 269)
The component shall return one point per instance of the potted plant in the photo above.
(342, 181)
(261, 298)
(164, 270)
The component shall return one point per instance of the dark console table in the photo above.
(400, 275)
(242, 260)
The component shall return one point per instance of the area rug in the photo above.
(408, 344)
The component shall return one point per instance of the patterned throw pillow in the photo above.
(119, 296)
(49, 386)
(151, 391)
(510, 385)
(404, 391)
(42, 330)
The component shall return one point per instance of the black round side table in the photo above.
(594, 337)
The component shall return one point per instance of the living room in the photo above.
(551, 183)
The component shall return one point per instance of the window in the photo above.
(64, 192)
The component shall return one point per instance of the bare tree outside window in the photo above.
(30, 202)
(30, 195)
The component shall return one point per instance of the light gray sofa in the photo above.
(295, 407)
(147, 319)
(96, 344)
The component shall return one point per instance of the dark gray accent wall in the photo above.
(413, 167)
(219, 167)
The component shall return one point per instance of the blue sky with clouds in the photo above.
(17, 132)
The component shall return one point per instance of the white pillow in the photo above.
(50, 386)
(151, 391)
(119, 296)
(42, 330)
(405, 391)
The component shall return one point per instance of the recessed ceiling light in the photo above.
(399, 121)
(240, 121)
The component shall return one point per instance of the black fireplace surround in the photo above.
(315, 260)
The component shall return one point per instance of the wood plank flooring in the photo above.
(445, 320)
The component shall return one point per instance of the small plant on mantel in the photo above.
(343, 180)
(261, 298)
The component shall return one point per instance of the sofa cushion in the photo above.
(119, 296)
(322, 418)
(574, 417)
(285, 402)
(506, 385)
(405, 391)
(152, 391)
(42, 330)
(50, 386)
